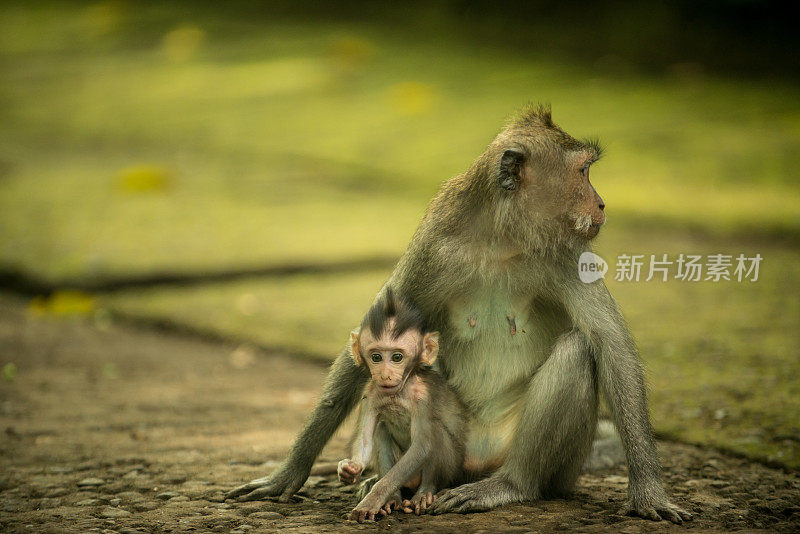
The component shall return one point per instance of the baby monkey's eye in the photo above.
(397, 357)
(376, 357)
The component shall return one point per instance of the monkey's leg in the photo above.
(621, 379)
(553, 437)
(342, 390)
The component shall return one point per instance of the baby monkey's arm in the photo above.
(350, 469)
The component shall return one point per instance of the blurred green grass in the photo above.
(72, 218)
(147, 138)
(284, 138)
(309, 314)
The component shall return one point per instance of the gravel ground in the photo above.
(108, 428)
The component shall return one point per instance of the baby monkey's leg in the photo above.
(425, 495)
(386, 490)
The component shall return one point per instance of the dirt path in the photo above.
(123, 430)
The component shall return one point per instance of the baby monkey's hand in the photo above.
(349, 471)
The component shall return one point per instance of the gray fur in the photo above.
(423, 437)
(481, 254)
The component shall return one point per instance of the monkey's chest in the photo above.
(497, 342)
(491, 312)
(494, 343)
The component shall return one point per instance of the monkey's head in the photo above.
(393, 342)
(541, 177)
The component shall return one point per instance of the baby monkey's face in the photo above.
(391, 360)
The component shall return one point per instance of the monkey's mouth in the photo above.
(593, 230)
(388, 390)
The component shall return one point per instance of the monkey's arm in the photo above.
(405, 468)
(351, 468)
(362, 451)
(621, 380)
(342, 390)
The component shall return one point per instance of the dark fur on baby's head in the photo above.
(390, 306)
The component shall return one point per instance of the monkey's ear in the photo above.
(511, 169)
(430, 348)
(355, 348)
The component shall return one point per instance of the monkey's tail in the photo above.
(324, 468)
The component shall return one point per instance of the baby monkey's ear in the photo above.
(354, 347)
(430, 348)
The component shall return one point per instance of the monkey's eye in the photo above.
(585, 170)
(376, 357)
(397, 357)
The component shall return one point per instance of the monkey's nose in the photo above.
(602, 205)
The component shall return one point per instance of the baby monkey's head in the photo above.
(393, 341)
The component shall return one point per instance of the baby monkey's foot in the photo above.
(392, 503)
(419, 503)
(349, 471)
(369, 509)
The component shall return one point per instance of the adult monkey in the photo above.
(526, 344)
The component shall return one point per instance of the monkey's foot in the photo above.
(282, 483)
(476, 497)
(656, 509)
(419, 503)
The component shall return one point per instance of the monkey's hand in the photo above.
(281, 483)
(349, 471)
(477, 497)
(370, 508)
(654, 505)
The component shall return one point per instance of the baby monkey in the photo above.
(412, 422)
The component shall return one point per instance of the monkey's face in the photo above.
(550, 186)
(584, 214)
(391, 360)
